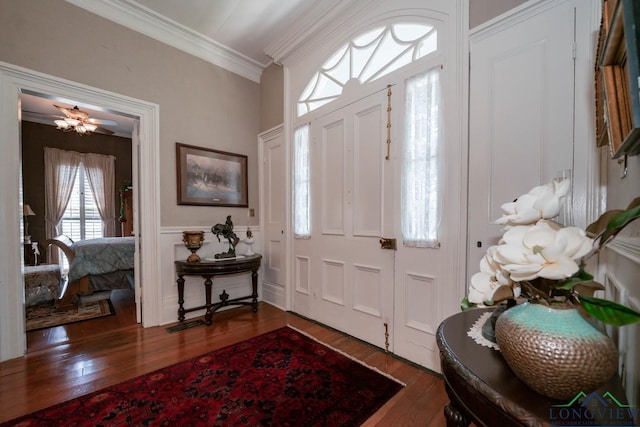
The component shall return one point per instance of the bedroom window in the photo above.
(301, 184)
(81, 219)
(421, 160)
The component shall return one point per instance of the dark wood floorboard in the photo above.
(68, 361)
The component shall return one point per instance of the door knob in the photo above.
(388, 243)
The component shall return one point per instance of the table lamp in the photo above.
(27, 212)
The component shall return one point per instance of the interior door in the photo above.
(273, 181)
(351, 277)
(521, 116)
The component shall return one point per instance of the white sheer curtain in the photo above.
(100, 172)
(421, 162)
(60, 170)
(301, 183)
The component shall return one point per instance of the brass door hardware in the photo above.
(388, 243)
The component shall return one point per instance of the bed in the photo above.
(96, 264)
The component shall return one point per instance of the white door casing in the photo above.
(13, 81)
(442, 287)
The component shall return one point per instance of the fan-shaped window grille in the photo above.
(367, 57)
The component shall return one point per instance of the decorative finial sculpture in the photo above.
(226, 230)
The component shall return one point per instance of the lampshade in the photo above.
(27, 211)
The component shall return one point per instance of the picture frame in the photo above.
(619, 67)
(208, 177)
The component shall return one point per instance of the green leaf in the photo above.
(608, 311)
(466, 305)
(580, 277)
(619, 222)
(588, 288)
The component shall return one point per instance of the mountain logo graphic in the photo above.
(593, 409)
(606, 400)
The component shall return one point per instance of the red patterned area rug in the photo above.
(281, 378)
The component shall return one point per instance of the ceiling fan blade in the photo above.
(35, 113)
(103, 130)
(74, 113)
(66, 111)
(103, 122)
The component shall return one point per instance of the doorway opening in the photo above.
(15, 81)
(54, 125)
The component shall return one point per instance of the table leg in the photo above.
(254, 294)
(455, 417)
(207, 286)
(180, 282)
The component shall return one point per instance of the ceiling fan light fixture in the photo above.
(61, 124)
(80, 122)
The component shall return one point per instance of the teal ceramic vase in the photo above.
(555, 351)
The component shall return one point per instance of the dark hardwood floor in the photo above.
(69, 361)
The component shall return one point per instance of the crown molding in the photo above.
(319, 18)
(145, 21)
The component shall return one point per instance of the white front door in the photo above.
(350, 276)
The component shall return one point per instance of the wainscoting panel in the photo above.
(333, 281)
(367, 290)
(621, 260)
(421, 302)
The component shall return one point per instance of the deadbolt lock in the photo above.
(388, 243)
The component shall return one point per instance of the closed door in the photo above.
(274, 217)
(521, 116)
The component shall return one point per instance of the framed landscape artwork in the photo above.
(210, 177)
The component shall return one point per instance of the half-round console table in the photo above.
(208, 269)
(483, 389)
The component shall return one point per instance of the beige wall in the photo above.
(271, 97)
(200, 104)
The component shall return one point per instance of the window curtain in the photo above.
(421, 162)
(301, 183)
(100, 172)
(60, 170)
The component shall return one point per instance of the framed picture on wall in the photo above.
(209, 177)
(620, 73)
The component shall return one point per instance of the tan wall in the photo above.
(271, 97)
(200, 104)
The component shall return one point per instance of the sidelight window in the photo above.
(421, 165)
(302, 183)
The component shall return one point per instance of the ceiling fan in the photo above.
(77, 120)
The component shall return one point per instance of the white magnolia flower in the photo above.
(542, 250)
(542, 202)
(491, 277)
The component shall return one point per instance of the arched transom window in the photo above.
(367, 57)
